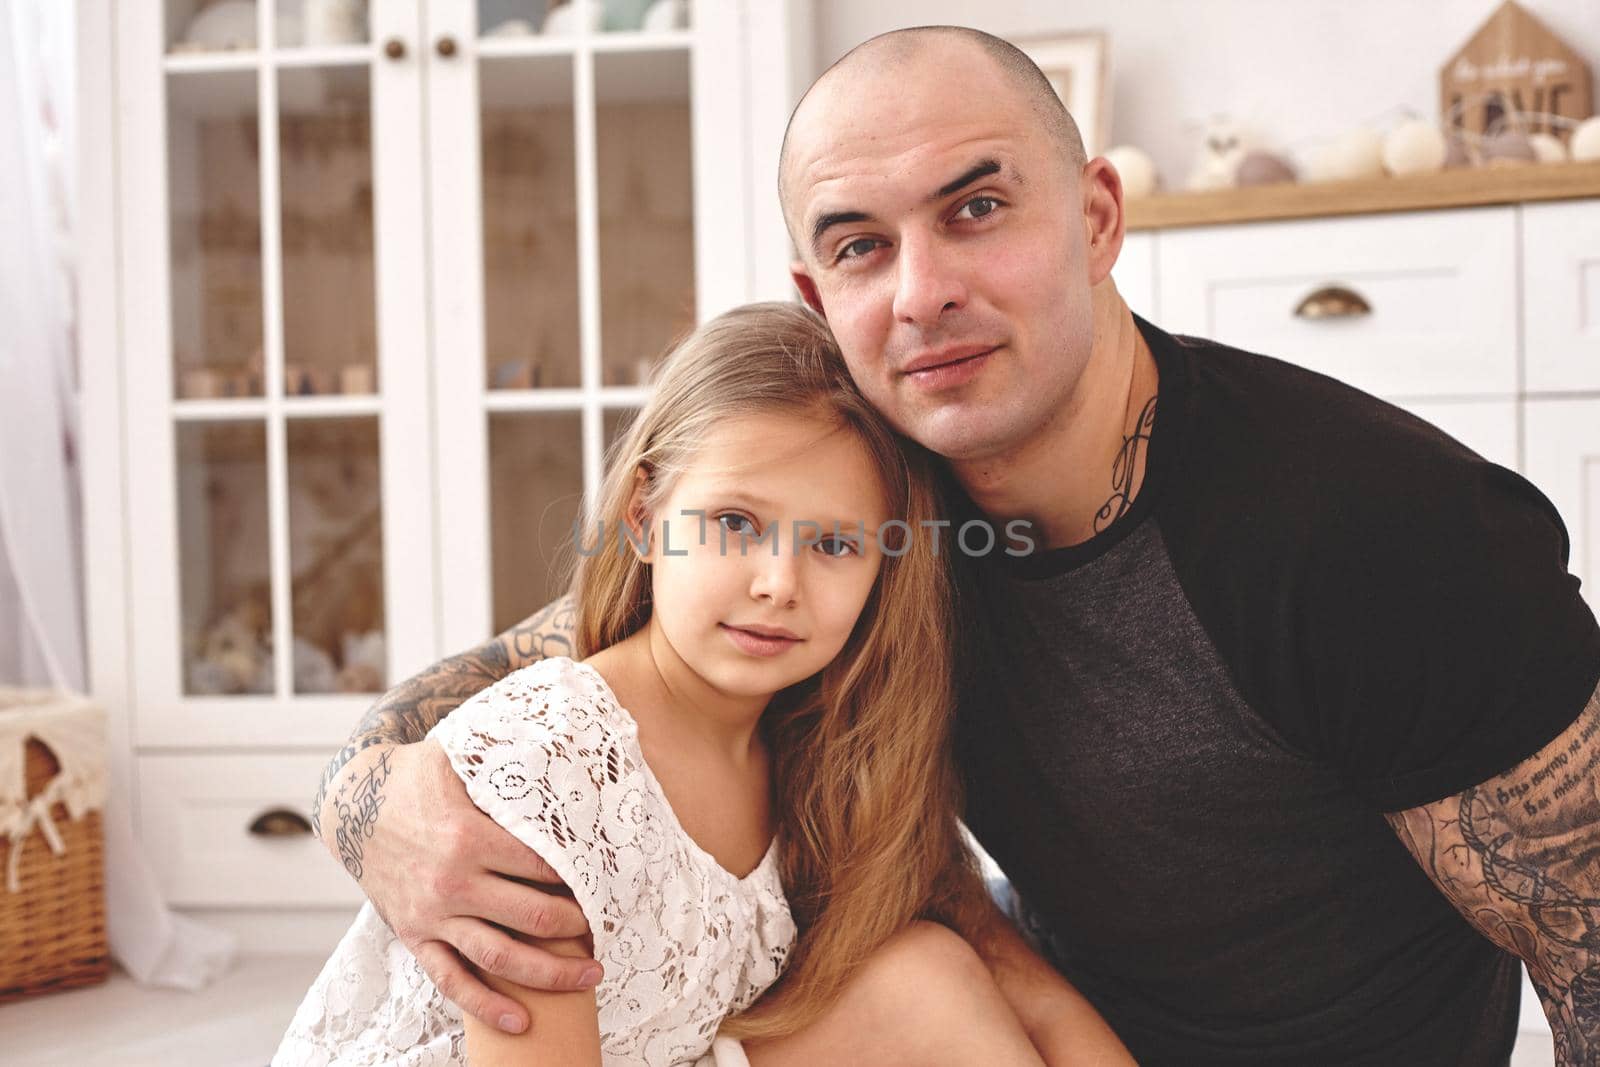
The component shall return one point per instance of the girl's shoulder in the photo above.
(552, 701)
(547, 753)
(545, 739)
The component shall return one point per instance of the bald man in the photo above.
(1286, 736)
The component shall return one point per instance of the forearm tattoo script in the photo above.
(357, 805)
(1125, 469)
(406, 713)
(1519, 856)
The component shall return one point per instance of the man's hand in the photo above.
(450, 882)
(1519, 856)
(445, 876)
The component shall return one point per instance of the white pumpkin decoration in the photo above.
(1585, 144)
(1414, 147)
(1136, 168)
(1358, 154)
(1354, 154)
(1548, 147)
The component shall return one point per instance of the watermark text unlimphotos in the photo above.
(975, 538)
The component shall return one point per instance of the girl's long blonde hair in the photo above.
(866, 791)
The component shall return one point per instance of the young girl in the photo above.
(746, 781)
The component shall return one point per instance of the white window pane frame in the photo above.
(721, 103)
(165, 716)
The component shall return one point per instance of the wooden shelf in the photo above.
(225, 59)
(610, 42)
(1447, 189)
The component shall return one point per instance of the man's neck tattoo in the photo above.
(1124, 469)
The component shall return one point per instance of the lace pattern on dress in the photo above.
(551, 756)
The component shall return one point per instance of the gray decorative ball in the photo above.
(1264, 168)
(1507, 149)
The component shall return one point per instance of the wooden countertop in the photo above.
(1448, 189)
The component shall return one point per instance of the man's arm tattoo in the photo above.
(1125, 469)
(357, 804)
(407, 712)
(1519, 856)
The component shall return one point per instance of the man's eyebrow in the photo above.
(981, 169)
(828, 221)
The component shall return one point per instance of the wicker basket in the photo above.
(52, 931)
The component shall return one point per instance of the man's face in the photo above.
(942, 235)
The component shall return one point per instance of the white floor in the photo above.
(1533, 1050)
(235, 1023)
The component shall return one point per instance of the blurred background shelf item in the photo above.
(1424, 192)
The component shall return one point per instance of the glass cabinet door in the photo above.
(568, 259)
(282, 546)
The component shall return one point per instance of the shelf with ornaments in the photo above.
(1515, 124)
(1478, 186)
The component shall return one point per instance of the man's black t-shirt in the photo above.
(1180, 737)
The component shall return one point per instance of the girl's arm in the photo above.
(395, 816)
(564, 1028)
(1063, 1026)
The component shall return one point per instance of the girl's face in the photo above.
(745, 539)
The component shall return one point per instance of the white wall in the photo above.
(1298, 71)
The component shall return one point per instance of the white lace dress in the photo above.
(553, 758)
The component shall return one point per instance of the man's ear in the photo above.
(638, 518)
(1103, 219)
(808, 287)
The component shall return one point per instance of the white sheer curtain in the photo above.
(41, 573)
(41, 616)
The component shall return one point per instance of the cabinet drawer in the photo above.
(1561, 291)
(1441, 287)
(195, 813)
(1562, 445)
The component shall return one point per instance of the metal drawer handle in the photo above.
(281, 822)
(1333, 302)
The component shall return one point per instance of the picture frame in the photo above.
(1076, 65)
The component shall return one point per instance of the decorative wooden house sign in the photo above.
(1513, 64)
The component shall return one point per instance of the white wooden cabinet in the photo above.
(372, 310)
(1441, 287)
(193, 809)
(1561, 296)
(1563, 459)
(1135, 275)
